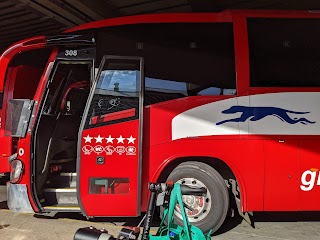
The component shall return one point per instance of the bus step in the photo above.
(62, 208)
(60, 196)
(63, 180)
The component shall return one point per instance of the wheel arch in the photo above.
(219, 165)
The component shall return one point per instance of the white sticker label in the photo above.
(309, 179)
(109, 149)
(71, 53)
(21, 151)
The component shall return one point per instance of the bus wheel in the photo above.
(206, 212)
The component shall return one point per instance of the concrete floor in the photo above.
(279, 226)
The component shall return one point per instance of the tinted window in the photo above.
(114, 80)
(60, 91)
(116, 97)
(181, 59)
(284, 52)
(165, 86)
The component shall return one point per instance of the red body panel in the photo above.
(22, 46)
(6, 146)
(5, 58)
(25, 143)
(281, 175)
(159, 147)
(21, 82)
(309, 158)
(156, 18)
(242, 165)
(118, 164)
(114, 116)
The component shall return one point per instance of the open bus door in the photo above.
(6, 74)
(109, 168)
(21, 82)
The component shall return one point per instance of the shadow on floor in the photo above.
(2, 226)
(228, 225)
(286, 216)
(4, 180)
(117, 221)
(257, 217)
(3, 205)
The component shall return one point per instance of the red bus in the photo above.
(227, 101)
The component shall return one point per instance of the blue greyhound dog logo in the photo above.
(258, 113)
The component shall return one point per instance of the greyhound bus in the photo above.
(227, 101)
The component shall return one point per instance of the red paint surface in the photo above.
(281, 175)
(25, 143)
(156, 18)
(114, 116)
(21, 82)
(5, 58)
(9, 53)
(309, 159)
(115, 166)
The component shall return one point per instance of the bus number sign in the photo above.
(71, 53)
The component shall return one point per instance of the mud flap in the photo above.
(236, 193)
(18, 200)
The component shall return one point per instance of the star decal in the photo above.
(131, 139)
(87, 139)
(98, 139)
(120, 139)
(109, 139)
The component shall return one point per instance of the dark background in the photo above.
(20, 19)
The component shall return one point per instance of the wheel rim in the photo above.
(200, 205)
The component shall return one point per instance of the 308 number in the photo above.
(71, 53)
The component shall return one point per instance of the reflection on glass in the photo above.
(118, 82)
(183, 88)
(117, 94)
(165, 86)
(109, 186)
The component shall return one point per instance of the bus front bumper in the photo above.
(18, 200)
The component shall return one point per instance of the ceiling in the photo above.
(20, 19)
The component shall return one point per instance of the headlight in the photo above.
(16, 171)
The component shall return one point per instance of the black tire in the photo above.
(219, 202)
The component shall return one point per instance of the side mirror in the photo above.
(18, 117)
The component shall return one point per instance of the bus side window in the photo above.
(181, 59)
(192, 60)
(290, 57)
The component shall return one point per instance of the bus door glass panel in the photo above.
(111, 139)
